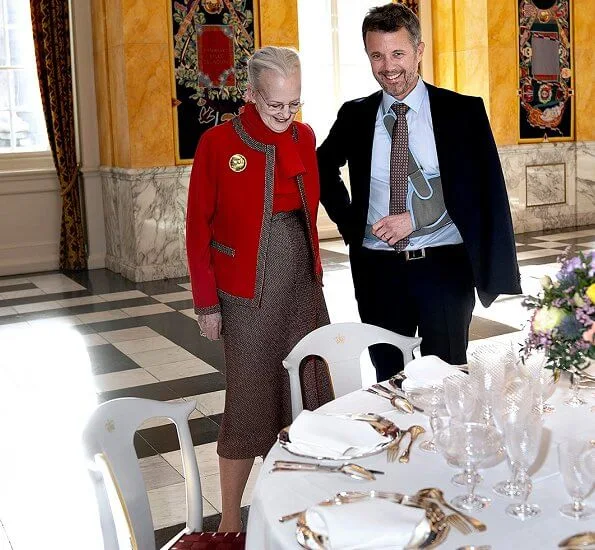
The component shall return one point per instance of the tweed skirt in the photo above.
(256, 340)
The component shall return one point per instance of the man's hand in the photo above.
(210, 325)
(391, 229)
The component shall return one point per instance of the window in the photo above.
(22, 126)
(335, 67)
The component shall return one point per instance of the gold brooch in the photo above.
(340, 339)
(237, 162)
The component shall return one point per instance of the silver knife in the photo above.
(400, 393)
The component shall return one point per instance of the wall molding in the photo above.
(28, 257)
(30, 181)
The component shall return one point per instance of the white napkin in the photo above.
(372, 523)
(319, 434)
(428, 370)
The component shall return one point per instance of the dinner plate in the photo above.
(381, 424)
(430, 535)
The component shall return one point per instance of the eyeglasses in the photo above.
(277, 107)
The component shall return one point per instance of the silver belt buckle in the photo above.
(415, 254)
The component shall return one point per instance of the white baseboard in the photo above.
(96, 261)
(29, 258)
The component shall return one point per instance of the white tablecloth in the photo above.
(279, 493)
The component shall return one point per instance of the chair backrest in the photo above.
(341, 346)
(108, 437)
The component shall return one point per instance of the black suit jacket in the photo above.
(473, 183)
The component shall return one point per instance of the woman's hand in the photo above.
(210, 325)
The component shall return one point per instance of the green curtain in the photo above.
(51, 35)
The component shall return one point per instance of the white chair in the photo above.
(108, 442)
(341, 345)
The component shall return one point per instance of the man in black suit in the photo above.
(428, 220)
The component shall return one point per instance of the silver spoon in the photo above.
(580, 540)
(399, 403)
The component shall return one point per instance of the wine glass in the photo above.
(488, 366)
(470, 443)
(516, 402)
(575, 400)
(522, 435)
(460, 399)
(533, 365)
(576, 480)
(430, 398)
(587, 461)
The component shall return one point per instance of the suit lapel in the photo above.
(440, 126)
(369, 111)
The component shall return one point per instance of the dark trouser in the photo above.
(432, 295)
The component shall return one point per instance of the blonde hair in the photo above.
(284, 61)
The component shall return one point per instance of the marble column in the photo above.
(145, 212)
(585, 182)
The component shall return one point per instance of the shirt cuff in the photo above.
(207, 310)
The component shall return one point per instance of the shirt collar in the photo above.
(413, 99)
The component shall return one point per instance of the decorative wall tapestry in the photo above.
(413, 5)
(212, 41)
(545, 71)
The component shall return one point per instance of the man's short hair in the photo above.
(390, 18)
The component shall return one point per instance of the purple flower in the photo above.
(570, 327)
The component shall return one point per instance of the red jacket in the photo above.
(229, 212)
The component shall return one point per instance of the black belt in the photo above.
(417, 254)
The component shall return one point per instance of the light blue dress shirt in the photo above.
(423, 147)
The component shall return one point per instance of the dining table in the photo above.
(279, 493)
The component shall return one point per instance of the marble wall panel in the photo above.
(546, 184)
(515, 160)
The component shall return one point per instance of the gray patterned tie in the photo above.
(399, 163)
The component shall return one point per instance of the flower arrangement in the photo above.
(563, 321)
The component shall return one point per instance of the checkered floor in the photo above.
(142, 341)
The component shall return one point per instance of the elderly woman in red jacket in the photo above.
(254, 262)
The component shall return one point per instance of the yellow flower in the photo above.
(548, 318)
(591, 293)
(578, 300)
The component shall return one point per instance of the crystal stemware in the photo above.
(576, 480)
(516, 402)
(434, 398)
(470, 443)
(488, 366)
(460, 399)
(522, 434)
(575, 400)
(533, 365)
(587, 461)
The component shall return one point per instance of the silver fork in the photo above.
(392, 451)
(458, 523)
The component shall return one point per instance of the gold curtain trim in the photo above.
(71, 183)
